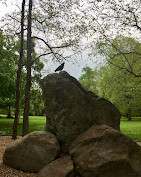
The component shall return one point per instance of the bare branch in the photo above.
(123, 68)
(40, 22)
(41, 56)
(136, 21)
(52, 47)
(120, 67)
(117, 49)
(14, 18)
(20, 31)
(35, 37)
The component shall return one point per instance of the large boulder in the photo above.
(32, 152)
(71, 110)
(62, 167)
(103, 151)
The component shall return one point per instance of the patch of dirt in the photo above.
(7, 171)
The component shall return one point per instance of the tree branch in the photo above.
(14, 18)
(54, 47)
(123, 68)
(41, 56)
(20, 31)
(136, 21)
(41, 22)
(117, 49)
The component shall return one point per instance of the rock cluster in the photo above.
(83, 138)
(71, 110)
(101, 151)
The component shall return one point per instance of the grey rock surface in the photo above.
(71, 110)
(103, 151)
(32, 152)
(62, 167)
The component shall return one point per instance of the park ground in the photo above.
(37, 123)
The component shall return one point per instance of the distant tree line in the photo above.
(9, 53)
(55, 28)
(119, 86)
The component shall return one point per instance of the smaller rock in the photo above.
(62, 167)
(32, 152)
(102, 151)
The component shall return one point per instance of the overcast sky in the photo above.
(73, 68)
(7, 6)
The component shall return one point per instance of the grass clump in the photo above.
(36, 123)
(131, 128)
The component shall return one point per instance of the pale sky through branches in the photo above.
(7, 6)
(74, 67)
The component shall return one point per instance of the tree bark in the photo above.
(14, 135)
(19, 118)
(129, 114)
(9, 112)
(28, 79)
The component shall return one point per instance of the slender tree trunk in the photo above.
(9, 112)
(129, 110)
(28, 79)
(129, 114)
(19, 118)
(14, 135)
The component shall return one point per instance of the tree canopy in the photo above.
(61, 30)
(8, 60)
(114, 81)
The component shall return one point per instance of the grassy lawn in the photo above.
(37, 123)
(131, 128)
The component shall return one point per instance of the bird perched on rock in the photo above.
(60, 67)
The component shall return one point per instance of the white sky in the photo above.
(7, 6)
(74, 69)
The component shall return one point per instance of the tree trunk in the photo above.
(129, 114)
(19, 118)
(28, 79)
(9, 112)
(14, 135)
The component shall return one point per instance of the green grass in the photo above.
(131, 128)
(36, 123)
